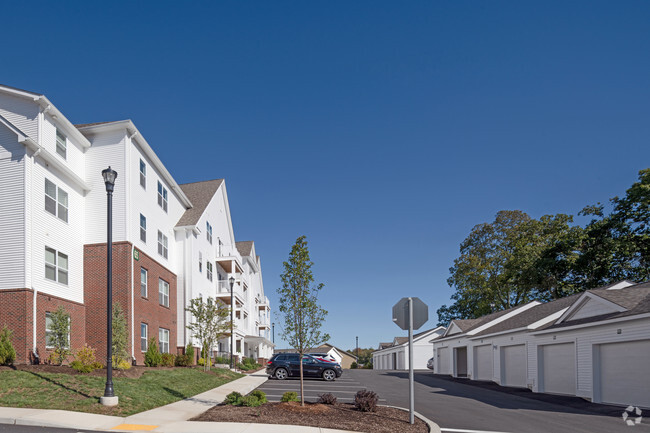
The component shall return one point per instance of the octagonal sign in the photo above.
(401, 313)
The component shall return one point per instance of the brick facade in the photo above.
(145, 310)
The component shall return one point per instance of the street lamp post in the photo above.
(273, 328)
(109, 398)
(232, 321)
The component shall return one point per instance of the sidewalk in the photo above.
(172, 418)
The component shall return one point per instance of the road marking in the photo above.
(455, 430)
(135, 427)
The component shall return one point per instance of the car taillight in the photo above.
(269, 362)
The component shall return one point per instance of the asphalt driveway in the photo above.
(342, 388)
(460, 405)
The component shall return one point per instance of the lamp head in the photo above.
(109, 176)
(232, 281)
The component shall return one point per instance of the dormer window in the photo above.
(61, 144)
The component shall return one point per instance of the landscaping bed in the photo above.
(138, 388)
(341, 416)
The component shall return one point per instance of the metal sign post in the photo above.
(410, 313)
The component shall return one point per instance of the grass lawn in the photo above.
(81, 393)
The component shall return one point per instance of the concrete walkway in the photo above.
(172, 418)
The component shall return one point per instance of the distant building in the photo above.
(395, 355)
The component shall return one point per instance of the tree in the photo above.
(120, 335)
(302, 317)
(59, 336)
(210, 323)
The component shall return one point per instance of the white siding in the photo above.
(592, 308)
(22, 113)
(74, 152)
(66, 237)
(12, 211)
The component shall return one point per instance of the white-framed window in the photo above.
(143, 228)
(143, 283)
(143, 174)
(56, 266)
(49, 344)
(163, 340)
(200, 262)
(162, 244)
(208, 267)
(162, 196)
(208, 232)
(163, 292)
(144, 332)
(56, 200)
(61, 144)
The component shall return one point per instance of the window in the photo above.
(56, 266)
(208, 232)
(56, 200)
(143, 228)
(208, 267)
(163, 340)
(163, 292)
(143, 174)
(61, 145)
(144, 331)
(200, 262)
(143, 282)
(162, 244)
(49, 343)
(162, 196)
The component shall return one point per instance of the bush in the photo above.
(84, 360)
(222, 360)
(327, 398)
(289, 396)
(354, 365)
(366, 401)
(182, 360)
(168, 359)
(368, 365)
(120, 338)
(261, 396)
(189, 353)
(59, 336)
(250, 401)
(202, 362)
(233, 399)
(120, 364)
(7, 351)
(152, 358)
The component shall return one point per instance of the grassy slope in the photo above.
(81, 393)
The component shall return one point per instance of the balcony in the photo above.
(223, 292)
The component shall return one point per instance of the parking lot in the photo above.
(342, 388)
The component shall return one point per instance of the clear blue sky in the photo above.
(383, 131)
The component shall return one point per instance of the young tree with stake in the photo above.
(302, 316)
(210, 323)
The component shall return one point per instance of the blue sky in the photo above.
(383, 131)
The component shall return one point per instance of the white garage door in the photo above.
(514, 365)
(483, 362)
(559, 368)
(444, 361)
(625, 373)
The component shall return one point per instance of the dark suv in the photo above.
(283, 365)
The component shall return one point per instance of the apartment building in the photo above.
(170, 242)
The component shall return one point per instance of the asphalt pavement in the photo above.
(460, 405)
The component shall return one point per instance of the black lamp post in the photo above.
(109, 398)
(273, 330)
(232, 321)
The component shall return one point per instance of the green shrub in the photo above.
(120, 364)
(222, 360)
(152, 358)
(59, 336)
(7, 351)
(189, 352)
(289, 396)
(327, 398)
(120, 338)
(202, 362)
(261, 395)
(233, 399)
(250, 401)
(84, 360)
(182, 360)
(366, 401)
(168, 359)
(354, 365)
(368, 365)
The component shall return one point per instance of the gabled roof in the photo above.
(244, 247)
(384, 345)
(200, 194)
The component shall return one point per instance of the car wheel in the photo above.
(329, 375)
(281, 374)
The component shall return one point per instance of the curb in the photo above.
(433, 427)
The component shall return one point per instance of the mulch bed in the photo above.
(134, 372)
(342, 416)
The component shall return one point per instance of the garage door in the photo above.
(513, 372)
(625, 373)
(559, 368)
(444, 364)
(483, 362)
